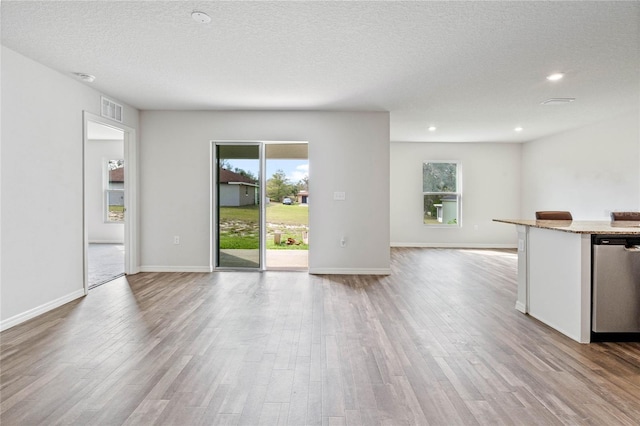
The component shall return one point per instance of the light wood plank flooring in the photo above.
(436, 343)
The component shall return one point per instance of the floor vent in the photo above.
(111, 110)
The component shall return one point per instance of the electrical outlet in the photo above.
(176, 239)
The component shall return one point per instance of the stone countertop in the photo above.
(580, 226)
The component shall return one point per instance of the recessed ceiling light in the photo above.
(555, 76)
(85, 77)
(518, 129)
(201, 17)
(557, 101)
(432, 128)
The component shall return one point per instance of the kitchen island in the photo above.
(554, 270)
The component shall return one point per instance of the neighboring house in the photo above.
(302, 197)
(116, 178)
(236, 190)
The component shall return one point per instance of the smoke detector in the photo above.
(201, 17)
(558, 101)
(87, 78)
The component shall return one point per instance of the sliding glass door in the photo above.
(238, 206)
(260, 204)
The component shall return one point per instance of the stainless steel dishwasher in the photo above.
(615, 288)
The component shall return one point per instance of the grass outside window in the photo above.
(240, 226)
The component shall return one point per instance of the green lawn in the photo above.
(232, 241)
(239, 226)
(276, 213)
(287, 215)
(243, 213)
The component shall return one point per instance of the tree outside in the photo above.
(439, 181)
(279, 186)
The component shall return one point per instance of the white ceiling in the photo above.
(475, 70)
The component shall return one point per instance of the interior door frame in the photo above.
(130, 195)
(213, 205)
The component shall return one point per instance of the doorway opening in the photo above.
(107, 157)
(260, 199)
(104, 198)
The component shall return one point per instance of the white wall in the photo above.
(41, 166)
(97, 153)
(490, 190)
(588, 171)
(347, 152)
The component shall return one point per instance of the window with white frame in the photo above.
(114, 192)
(441, 191)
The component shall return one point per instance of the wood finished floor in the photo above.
(436, 343)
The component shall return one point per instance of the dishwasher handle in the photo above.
(632, 248)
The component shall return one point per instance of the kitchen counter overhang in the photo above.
(591, 227)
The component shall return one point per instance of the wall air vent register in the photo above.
(111, 110)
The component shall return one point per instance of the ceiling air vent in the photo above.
(111, 110)
(558, 101)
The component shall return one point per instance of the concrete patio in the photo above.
(276, 259)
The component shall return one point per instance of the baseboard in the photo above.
(134, 271)
(163, 268)
(521, 307)
(456, 245)
(317, 271)
(39, 310)
(106, 242)
(350, 271)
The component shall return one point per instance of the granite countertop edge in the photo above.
(579, 226)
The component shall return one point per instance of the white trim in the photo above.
(263, 205)
(39, 310)
(106, 242)
(164, 268)
(522, 300)
(130, 194)
(130, 201)
(350, 271)
(213, 217)
(456, 245)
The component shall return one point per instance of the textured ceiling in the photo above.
(475, 70)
